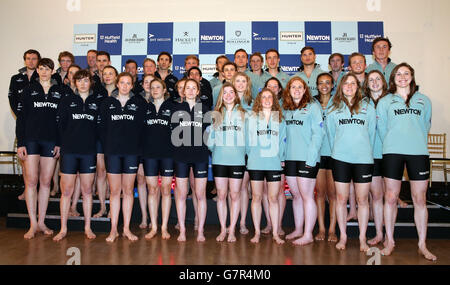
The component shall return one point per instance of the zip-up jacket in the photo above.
(215, 80)
(281, 75)
(227, 141)
(17, 86)
(312, 80)
(265, 143)
(386, 72)
(158, 131)
(121, 128)
(336, 83)
(325, 149)
(404, 130)
(188, 132)
(170, 81)
(378, 145)
(304, 133)
(77, 123)
(352, 136)
(36, 115)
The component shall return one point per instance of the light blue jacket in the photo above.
(378, 145)
(352, 136)
(312, 80)
(404, 130)
(325, 149)
(227, 141)
(265, 143)
(304, 133)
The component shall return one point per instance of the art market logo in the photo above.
(345, 38)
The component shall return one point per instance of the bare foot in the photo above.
(255, 239)
(320, 236)
(73, 213)
(363, 246)
(306, 239)
(45, 230)
(21, 197)
(294, 234)
(150, 235)
(60, 236)
(267, 230)
(182, 237)
(100, 213)
(89, 234)
(54, 192)
(129, 235)
(165, 234)
(177, 226)
(112, 237)
(281, 232)
(402, 203)
(332, 237)
(352, 216)
(341, 244)
(200, 237)
(196, 225)
(426, 253)
(278, 240)
(231, 237)
(376, 240)
(388, 248)
(30, 234)
(143, 225)
(221, 236)
(243, 230)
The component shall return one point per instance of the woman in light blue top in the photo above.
(226, 141)
(304, 134)
(265, 147)
(243, 86)
(404, 120)
(351, 124)
(276, 86)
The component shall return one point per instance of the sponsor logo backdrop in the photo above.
(208, 40)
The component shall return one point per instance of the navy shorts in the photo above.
(43, 148)
(326, 162)
(118, 164)
(377, 167)
(299, 169)
(269, 175)
(182, 169)
(155, 167)
(82, 163)
(345, 172)
(229, 171)
(417, 166)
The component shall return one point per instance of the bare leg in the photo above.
(166, 203)
(153, 204)
(274, 209)
(244, 203)
(194, 197)
(306, 186)
(46, 170)
(282, 204)
(75, 197)
(257, 189)
(362, 197)
(377, 191)
(127, 204)
(265, 203)
(418, 192)
(352, 215)
(55, 179)
(142, 194)
(101, 184)
(31, 178)
(235, 187)
(200, 191)
(180, 202)
(331, 195)
(342, 192)
(297, 207)
(86, 181)
(115, 182)
(320, 200)
(222, 190)
(390, 212)
(67, 189)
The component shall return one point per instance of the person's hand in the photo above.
(56, 152)
(22, 153)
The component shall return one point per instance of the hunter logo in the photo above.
(84, 38)
(291, 36)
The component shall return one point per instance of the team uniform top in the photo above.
(378, 145)
(120, 127)
(170, 81)
(36, 120)
(304, 133)
(188, 129)
(227, 141)
(386, 72)
(402, 129)
(282, 76)
(258, 81)
(325, 149)
(215, 80)
(312, 80)
(17, 86)
(336, 82)
(158, 131)
(77, 123)
(352, 136)
(265, 143)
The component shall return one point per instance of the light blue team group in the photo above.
(324, 131)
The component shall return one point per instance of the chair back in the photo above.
(437, 145)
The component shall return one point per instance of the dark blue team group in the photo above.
(327, 134)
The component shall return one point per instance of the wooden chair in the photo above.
(437, 147)
(11, 158)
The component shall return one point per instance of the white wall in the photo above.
(418, 29)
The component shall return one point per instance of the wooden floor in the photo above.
(14, 250)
